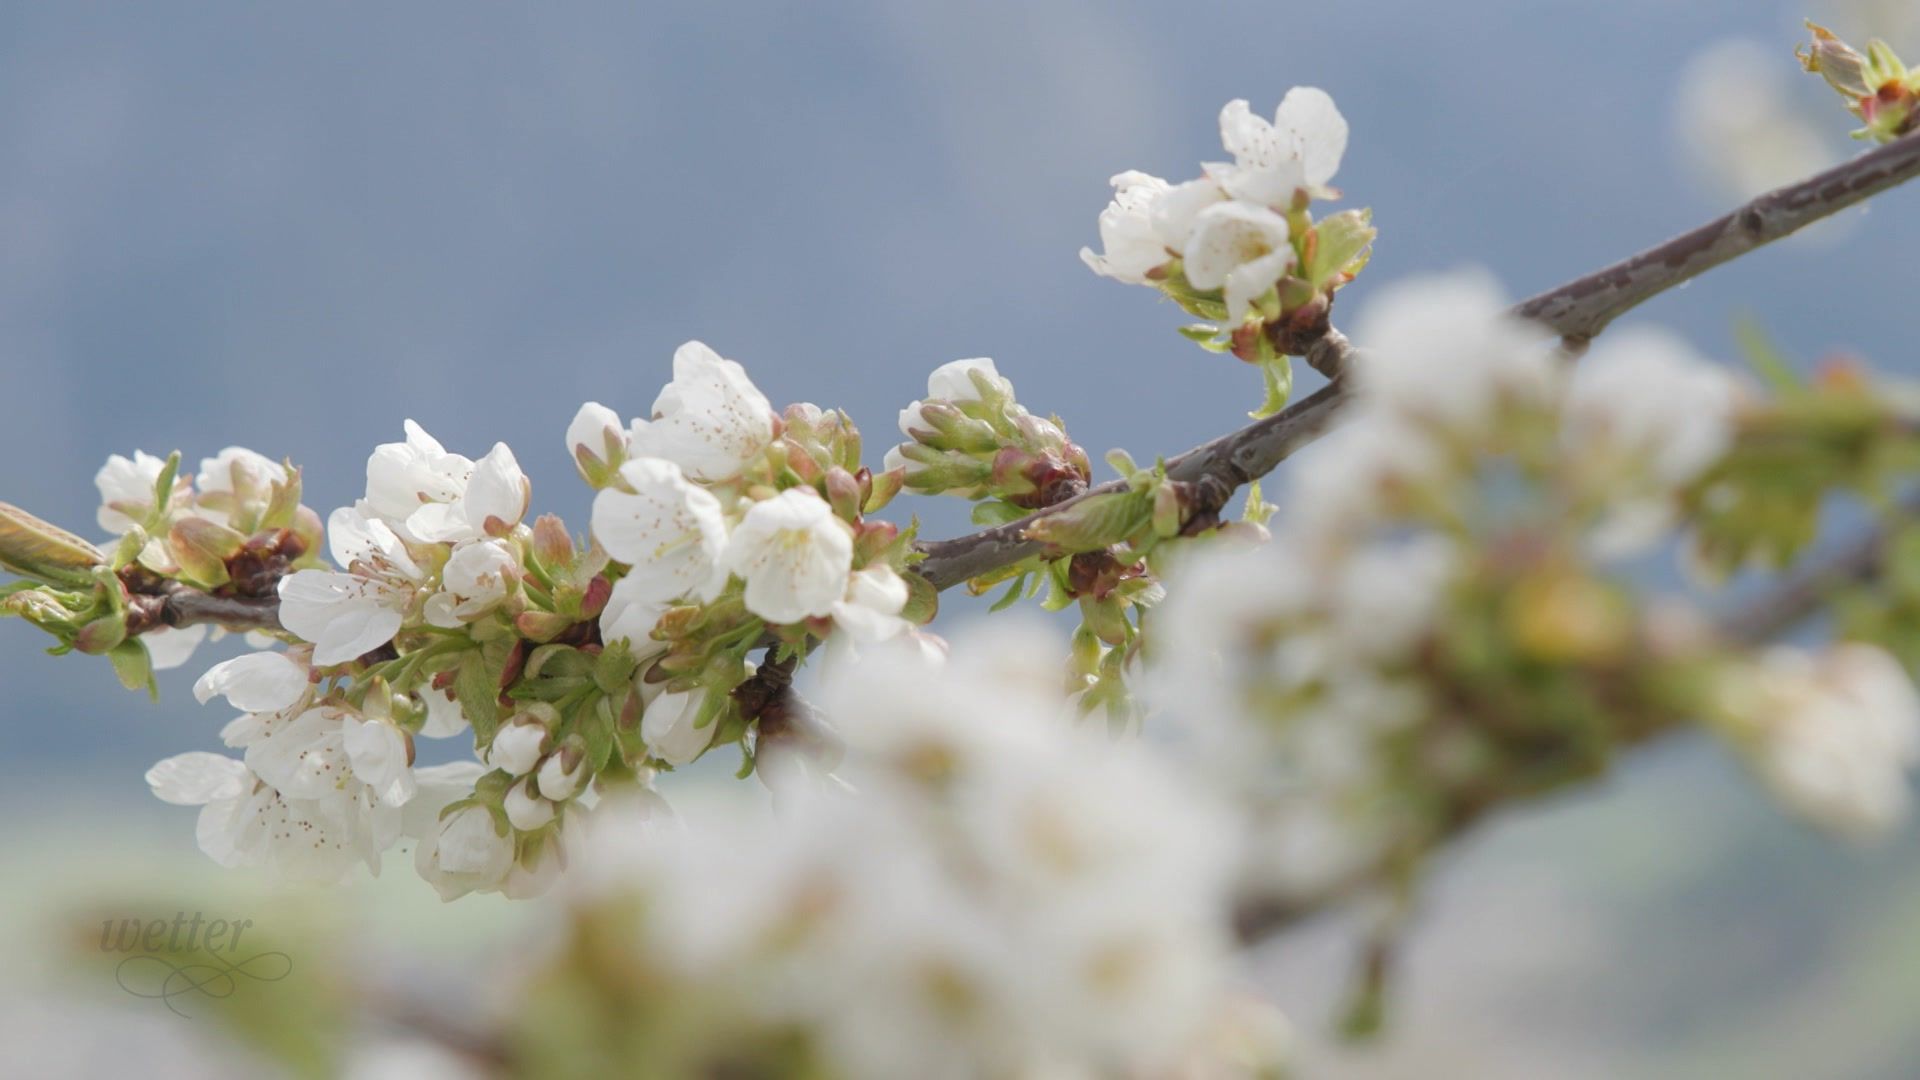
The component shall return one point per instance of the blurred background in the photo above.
(291, 228)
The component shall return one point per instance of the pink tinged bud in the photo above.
(551, 544)
(541, 626)
(594, 601)
(843, 491)
(802, 463)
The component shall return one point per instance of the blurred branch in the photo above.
(1577, 311)
(1763, 619)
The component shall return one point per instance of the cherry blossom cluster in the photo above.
(236, 526)
(720, 528)
(1438, 623)
(1007, 886)
(1238, 246)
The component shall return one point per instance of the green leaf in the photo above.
(997, 512)
(1339, 241)
(477, 686)
(1012, 595)
(1093, 523)
(1277, 373)
(596, 726)
(134, 666)
(1766, 360)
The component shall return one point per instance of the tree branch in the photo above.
(177, 605)
(1577, 311)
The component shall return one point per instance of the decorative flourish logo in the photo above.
(171, 961)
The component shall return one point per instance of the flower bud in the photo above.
(843, 491)
(202, 548)
(561, 773)
(526, 810)
(518, 746)
(883, 487)
(598, 443)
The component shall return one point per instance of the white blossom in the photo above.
(408, 478)
(556, 781)
(1240, 248)
(315, 793)
(171, 647)
(525, 810)
(490, 503)
(1644, 395)
(667, 727)
(329, 752)
(1299, 151)
(262, 682)
(710, 420)
(126, 488)
(631, 615)
(477, 578)
(1068, 889)
(345, 615)
(1131, 246)
(467, 851)
(1833, 734)
(1443, 349)
(235, 478)
(1178, 208)
(670, 532)
(794, 555)
(870, 611)
(246, 822)
(517, 747)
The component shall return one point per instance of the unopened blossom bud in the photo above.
(202, 548)
(884, 486)
(843, 492)
(518, 745)
(561, 773)
(969, 380)
(101, 635)
(598, 443)
(45, 552)
(551, 544)
(526, 810)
